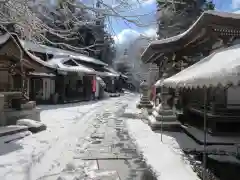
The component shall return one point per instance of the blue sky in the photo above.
(221, 5)
(124, 32)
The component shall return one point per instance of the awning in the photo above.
(220, 68)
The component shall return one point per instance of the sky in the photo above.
(123, 32)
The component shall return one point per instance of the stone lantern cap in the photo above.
(144, 85)
(165, 75)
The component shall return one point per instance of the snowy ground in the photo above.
(163, 153)
(162, 157)
(91, 141)
(78, 140)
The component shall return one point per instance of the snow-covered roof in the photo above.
(207, 18)
(112, 71)
(103, 74)
(220, 68)
(58, 62)
(42, 74)
(101, 81)
(56, 51)
(4, 38)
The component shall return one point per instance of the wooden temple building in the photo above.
(212, 31)
(16, 66)
(50, 76)
(73, 73)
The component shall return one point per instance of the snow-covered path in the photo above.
(54, 153)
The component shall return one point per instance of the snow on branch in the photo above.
(64, 20)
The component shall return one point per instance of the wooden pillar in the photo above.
(64, 87)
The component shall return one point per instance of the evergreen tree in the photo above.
(177, 16)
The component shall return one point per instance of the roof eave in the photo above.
(173, 43)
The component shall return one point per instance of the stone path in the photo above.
(111, 153)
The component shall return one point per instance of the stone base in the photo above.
(148, 106)
(28, 105)
(165, 117)
(174, 126)
(161, 108)
(12, 115)
(163, 113)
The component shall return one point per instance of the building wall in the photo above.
(47, 88)
(233, 95)
(47, 83)
(4, 80)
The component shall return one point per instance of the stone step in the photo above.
(163, 113)
(163, 108)
(168, 118)
(164, 125)
(13, 129)
(145, 100)
(28, 105)
(145, 105)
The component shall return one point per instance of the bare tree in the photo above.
(37, 20)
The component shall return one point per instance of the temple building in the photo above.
(16, 68)
(213, 31)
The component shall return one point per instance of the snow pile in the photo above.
(29, 123)
(33, 126)
(162, 159)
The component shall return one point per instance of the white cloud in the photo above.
(149, 1)
(236, 4)
(128, 35)
(151, 32)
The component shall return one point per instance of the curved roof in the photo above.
(56, 51)
(59, 64)
(177, 42)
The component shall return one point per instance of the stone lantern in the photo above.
(163, 115)
(144, 101)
